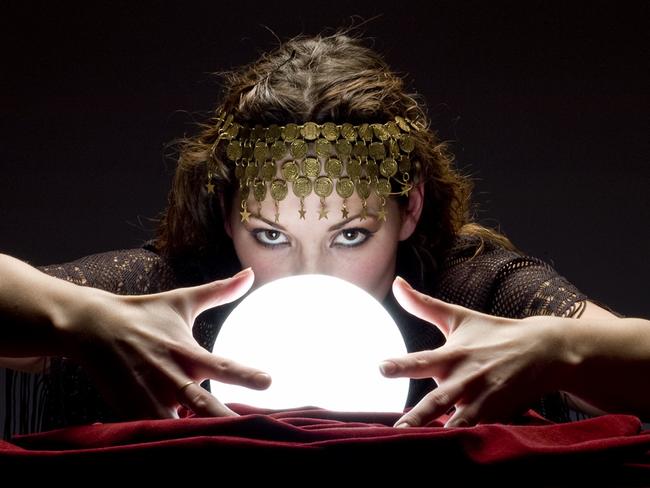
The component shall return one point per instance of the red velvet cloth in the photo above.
(609, 446)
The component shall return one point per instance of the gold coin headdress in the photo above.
(322, 158)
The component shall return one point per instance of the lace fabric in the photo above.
(496, 281)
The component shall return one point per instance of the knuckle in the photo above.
(420, 362)
(223, 365)
(199, 401)
(441, 399)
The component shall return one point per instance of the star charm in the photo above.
(405, 190)
(344, 213)
(323, 213)
(302, 213)
(210, 187)
(244, 215)
(382, 215)
(364, 214)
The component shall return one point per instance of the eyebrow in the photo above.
(334, 227)
(270, 222)
(349, 219)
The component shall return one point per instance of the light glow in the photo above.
(321, 339)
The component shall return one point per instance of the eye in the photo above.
(270, 237)
(352, 237)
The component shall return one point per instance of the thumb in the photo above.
(445, 316)
(199, 298)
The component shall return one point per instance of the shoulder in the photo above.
(486, 276)
(124, 271)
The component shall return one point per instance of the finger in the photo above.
(228, 371)
(192, 301)
(197, 399)
(222, 291)
(416, 365)
(445, 316)
(432, 406)
(464, 416)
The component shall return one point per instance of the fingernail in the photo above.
(387, 367)
(242, 272)
(402, 425)
(406, 283)
(262, 380)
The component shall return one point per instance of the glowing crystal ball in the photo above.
(321, 339)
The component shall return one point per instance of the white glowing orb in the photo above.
(321, 339)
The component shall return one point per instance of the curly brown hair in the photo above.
(316, 78)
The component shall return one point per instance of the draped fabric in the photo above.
(496, 281)
(311, 445)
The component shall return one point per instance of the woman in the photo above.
(316, 160)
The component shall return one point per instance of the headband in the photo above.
(322, 158)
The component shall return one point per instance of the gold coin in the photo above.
(298, 149)
(380, 132)
(345, 187)
(377, 150)
(261, 152)
(323, 148)
(402, 123)
(360, 150)
(393, 129)
(302, 186)
(363, 187)
(404, 164)
(354, 168)
(383, 187)
(310, 131)
(365, 132)
(349, 132)
(273, 133)
(330, 131)
(244, 191)
(279, 189)
(258, 133)
(290, 132)
(290, 170)
(278, 150)
(311, 167)
(333, 167)
(406, 143)
(233, 150)
(259, 190)
(232, 131)
(343, 148)
(323, 186)
(251, 170)
(371, 168)
(388, 167)
(268, 171)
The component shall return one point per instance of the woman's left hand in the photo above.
(491, 368)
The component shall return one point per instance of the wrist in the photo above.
(570, 352)
(72, 308)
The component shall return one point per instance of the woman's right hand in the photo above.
(141, 353)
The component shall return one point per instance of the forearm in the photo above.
(32, 307)
(607, 363)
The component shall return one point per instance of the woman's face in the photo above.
(361, 252)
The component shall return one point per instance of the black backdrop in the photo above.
(547, 108)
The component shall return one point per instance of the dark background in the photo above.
(546, 104)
